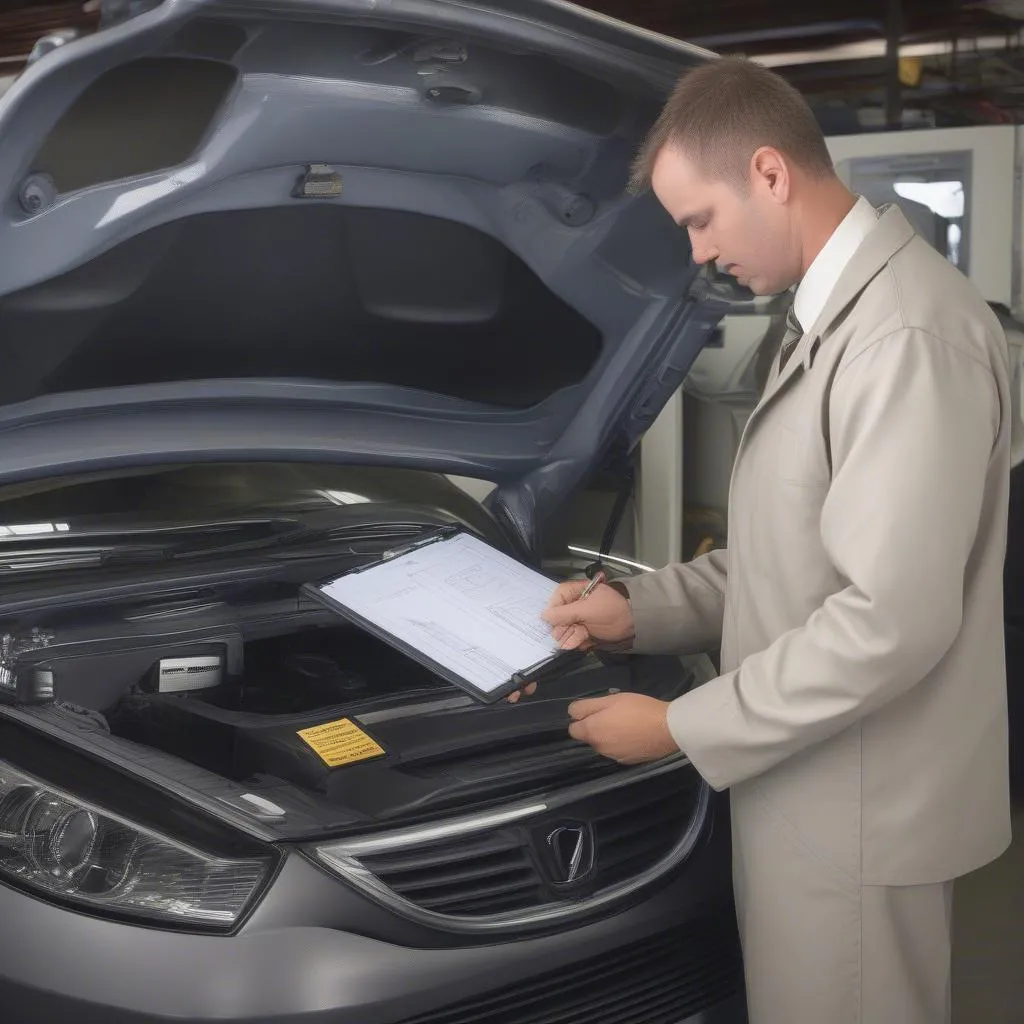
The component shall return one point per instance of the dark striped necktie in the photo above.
(794, 332)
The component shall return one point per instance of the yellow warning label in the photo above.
(341, 742)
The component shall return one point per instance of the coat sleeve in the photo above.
(914, 422)
(679, 609)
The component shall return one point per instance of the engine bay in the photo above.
(222, 692)
(241, 725)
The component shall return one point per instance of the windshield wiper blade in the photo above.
(45, 559)
(307, 538)
(102, 546)
(356, 547)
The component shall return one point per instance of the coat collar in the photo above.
(892, 232)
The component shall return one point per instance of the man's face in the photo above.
(748, 236)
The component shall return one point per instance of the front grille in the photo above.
(488, 874)
(638, 832)
(662, 980)
(508, 869)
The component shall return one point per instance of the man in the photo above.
(860, 717)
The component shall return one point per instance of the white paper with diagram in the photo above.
(460, 602)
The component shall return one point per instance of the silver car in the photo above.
(271, 275)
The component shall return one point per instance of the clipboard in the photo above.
(556, 664)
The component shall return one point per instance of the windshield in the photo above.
(70, 522)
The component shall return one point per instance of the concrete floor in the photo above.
(988, 939)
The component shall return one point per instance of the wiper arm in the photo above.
(45, 559)
(101, 545)
(310, 540)
(95, 546)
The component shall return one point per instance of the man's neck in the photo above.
(825, 206)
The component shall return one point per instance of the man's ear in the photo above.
(769, 173)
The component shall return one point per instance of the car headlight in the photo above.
(60, 846)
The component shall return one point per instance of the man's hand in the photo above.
(630, 728)
(602, 617)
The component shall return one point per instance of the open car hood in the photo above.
(380, 233)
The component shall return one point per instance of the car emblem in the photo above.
(572, 852)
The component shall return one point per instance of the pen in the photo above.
(589, 588)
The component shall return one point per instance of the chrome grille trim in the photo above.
(343, 857)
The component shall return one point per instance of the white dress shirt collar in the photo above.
(823, 274)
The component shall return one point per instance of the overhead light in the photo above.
(873, 49)
(33, 529)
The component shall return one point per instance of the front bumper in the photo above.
(61, 965)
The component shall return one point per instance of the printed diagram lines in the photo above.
(458, 604)
(521, 615)
(467, 652)
(474, 579)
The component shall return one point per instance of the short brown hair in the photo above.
(721, 113)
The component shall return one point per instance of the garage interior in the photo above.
(895, 67)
